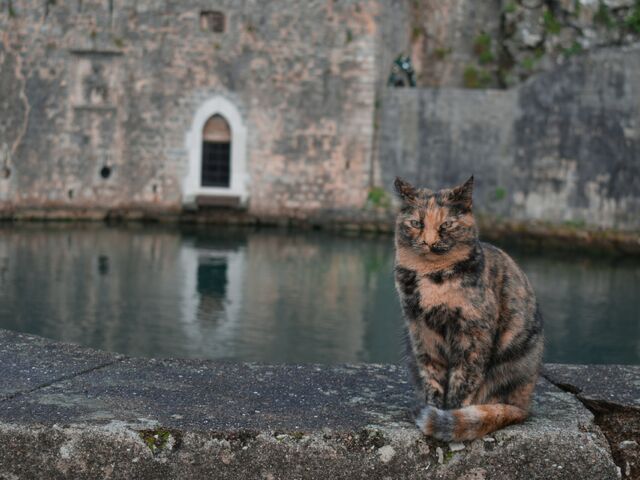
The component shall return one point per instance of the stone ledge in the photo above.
(90, 414)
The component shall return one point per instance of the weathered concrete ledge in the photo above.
(71, 412)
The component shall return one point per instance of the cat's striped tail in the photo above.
(467, 423)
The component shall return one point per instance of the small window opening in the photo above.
(212, 21)
(105, 172)
(103, 265)
(70, 193)
(5, 172)
(216, 153)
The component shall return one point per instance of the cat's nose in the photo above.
(430, 238)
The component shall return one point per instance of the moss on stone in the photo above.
(157, 439)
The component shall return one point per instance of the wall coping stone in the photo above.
(72, 412)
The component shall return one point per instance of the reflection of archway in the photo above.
(212, 291)
(217, 135)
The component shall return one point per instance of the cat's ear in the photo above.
(405, 190)
(463, 194)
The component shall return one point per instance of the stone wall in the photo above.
(501, 43)
(97, 97)
(563, 147)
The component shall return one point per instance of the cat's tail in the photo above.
(467, 423)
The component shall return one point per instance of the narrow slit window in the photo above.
(212, 21)
(216, 153)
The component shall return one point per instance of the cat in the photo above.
(473, 330)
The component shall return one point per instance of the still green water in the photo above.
(271, 295)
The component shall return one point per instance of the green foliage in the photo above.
(528, 63)
(632, 22)
(118, 42)
(509, 7)
(470, 77)
(442, 52)
(474, 78)
(378, 197)
(482, 48)
(603, 16)
(486, 57)
(577, 6)
(551, 23)
(499, 194)
(578, 223)
(574, 49)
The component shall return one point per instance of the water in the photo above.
(270, 295)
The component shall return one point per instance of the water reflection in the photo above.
(269, 295)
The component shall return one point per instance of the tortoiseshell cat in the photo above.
(473, 329)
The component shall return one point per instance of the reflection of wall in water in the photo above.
(303, 292)
(211, 296)
(84, 302)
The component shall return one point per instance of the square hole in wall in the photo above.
(212, 21)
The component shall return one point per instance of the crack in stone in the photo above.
(61, 379)
(600, 410)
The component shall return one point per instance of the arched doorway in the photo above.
(216, 153)
(216, 145)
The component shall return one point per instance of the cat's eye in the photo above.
(446, 225)
(416, 223)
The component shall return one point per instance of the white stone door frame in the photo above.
(192, 182)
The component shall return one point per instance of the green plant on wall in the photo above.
(603, 16)
(632, 21)
(574, 49)
(378, 197)
(482, 48)
(476, 78)
(510, 7)
(528, 63)
(441, 52)
(551, 23)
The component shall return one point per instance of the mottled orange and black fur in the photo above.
(473, 329)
